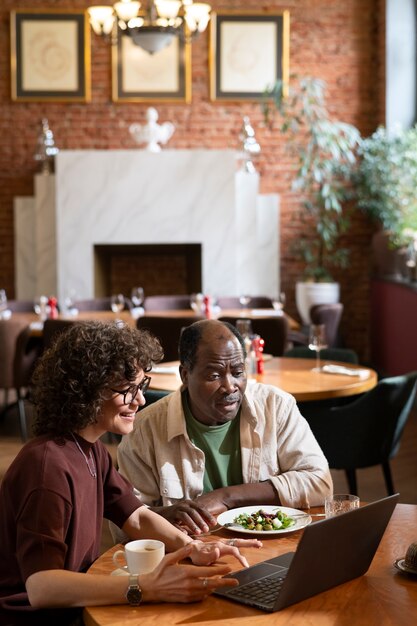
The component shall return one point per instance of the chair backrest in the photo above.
(28, 350)
(273, 330)
(367, 431)
(167, 303)
(256, 302)
(329, 315)
(53, 328)
(345, 355)
(93, 304)
(9, 332)
(167, 330)
(20, 306)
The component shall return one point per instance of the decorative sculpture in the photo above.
(152, 133)
(46, 148)
(250, 147)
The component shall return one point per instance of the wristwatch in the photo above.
(134, 592)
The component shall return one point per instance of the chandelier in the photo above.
(156, 25)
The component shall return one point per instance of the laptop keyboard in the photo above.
(260, 592)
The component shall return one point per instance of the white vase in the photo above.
(307, 294)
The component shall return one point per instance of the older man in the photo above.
(218, 443)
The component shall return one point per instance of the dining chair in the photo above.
(273, 330)
(345, 355)
(94, 304)
(52, 328)
(233, 302)
(20, 306)
(167, 303)
(367, 431)
(167, 330)
(329, 315)
(19, 352)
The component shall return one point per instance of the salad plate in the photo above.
(227, 519)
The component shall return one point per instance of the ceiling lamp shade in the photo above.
(155, 27)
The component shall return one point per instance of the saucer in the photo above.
(400, 565)
(120, 571)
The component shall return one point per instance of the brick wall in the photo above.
(340, 41)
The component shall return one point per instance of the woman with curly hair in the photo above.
(60, 486)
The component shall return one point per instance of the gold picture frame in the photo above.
(50, 56)
(248, 52)
(138, 76)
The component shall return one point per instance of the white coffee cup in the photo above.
(340, 503)
(140, 556)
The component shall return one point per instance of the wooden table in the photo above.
(293, 375)
(109, 316)
(382, 597)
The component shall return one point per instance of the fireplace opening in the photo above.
(161, 269)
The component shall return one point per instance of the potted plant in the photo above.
(326, 151)
(386, 186)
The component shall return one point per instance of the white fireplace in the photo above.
(136, 197)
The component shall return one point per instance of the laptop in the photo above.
(330, 552)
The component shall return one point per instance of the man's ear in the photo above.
(184, 375)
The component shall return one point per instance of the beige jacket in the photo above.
(164, 466)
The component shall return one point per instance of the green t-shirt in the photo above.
(221, 447)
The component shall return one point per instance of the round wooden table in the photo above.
(382, 597)
(297, 376)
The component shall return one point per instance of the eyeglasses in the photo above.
(130, 394)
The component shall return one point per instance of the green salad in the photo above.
(261, 520)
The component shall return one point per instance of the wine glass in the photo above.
(317, 341)
(117, 303)
(278, 302)
(244, 300)
(137, 296)
(3, 300)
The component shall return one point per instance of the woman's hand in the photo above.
(208, 552)
(173, 581)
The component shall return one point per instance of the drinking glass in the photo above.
(244, 300)
(340, 503)
(244, 327)
(137, 296)
(278, 302)
(3, 300)
(117, 303)
(317, 341)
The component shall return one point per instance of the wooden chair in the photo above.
(167, 330)
(329, 315)
(20, 306)
(273, 330)
(93, 304)
(167, 303)
(19, 352)
(52, 328)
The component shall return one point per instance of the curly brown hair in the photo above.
(72, 377)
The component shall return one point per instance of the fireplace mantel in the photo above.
(136, 197)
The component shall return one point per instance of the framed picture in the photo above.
(142, 77)
(50, 56)
(248, 52)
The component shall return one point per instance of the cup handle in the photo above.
(116, 556)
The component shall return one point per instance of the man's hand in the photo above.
(190, 517)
